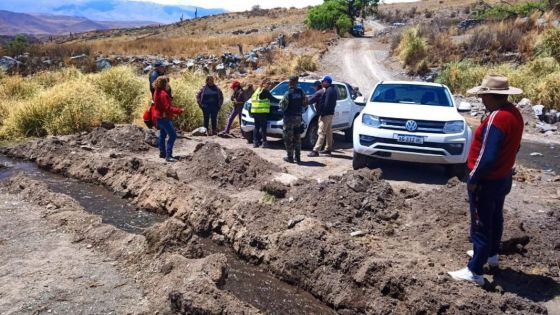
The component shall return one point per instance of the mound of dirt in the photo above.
(239, 167)
(356, 200)
(122, 137)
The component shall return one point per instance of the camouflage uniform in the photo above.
(293, 104)
(292, 136)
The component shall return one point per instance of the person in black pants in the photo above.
(210, 99)
(260, 108)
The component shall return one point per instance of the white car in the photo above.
(413, 122)
(348, 106)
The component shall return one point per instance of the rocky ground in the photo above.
(358, 242)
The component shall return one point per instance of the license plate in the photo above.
(410, 139)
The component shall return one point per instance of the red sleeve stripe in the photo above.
(490, 121)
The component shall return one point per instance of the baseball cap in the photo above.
(294, 78)
(327, 78)
(317, 83)
(235, 84)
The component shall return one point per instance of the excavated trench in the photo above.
(247, 282)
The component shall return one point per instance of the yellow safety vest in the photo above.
(259, 106)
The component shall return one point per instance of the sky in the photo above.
(241, 5)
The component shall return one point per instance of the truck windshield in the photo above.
(282, 88)
(412, 94)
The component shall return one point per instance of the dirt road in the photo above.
(43, 271)
(361, 62)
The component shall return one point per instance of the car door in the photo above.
(342, 111)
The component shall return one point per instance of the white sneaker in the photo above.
(466, 275)
(492, 260)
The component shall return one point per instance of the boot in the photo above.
(289, 159)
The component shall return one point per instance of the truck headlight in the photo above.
(456, 126)
(370, 120)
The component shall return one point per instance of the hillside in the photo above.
(12, 23)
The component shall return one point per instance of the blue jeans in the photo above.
(487, 220)
(166, 129)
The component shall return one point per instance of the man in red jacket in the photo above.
(490, 161)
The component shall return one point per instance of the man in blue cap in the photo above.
(160, 68)
(326, 113)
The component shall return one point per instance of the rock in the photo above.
(172, 173)
(275, 189)
(524, 103)
(102, 170)
(297, 219)
(8, 63)
(538, 110)
(103, 64)
(78, 57)
(86, 148)
(536, 154)
(357, 184)
(545, 127)
(107, 125)
(151, 138)
(198, 132)
(357, 233)
(549, 133)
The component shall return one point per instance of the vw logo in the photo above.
(411, 125)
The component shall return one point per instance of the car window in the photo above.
(342, 94)
(412, 94)
(282, 88)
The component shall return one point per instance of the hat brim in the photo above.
(478, 90)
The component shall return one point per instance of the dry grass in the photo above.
(74, 102)
(539, 78)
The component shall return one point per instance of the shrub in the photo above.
(537, 78)
(504, 11)
(48, 79)
(324, 16)
(125, 87)
(16, 87)
(305, 63)
(17, 46)
(549, 44)
(412, 48)
(548, 90)
(343, 24)
(66, 108)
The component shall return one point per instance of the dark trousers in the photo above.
(235, 113)
(487, 220)
(292, 136)
(210, 113)
(259, 133)
(166, 129)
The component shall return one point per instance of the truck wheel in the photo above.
(359, 161)
(248, 136)
(311, 136)
(459, 170)
(349, 133)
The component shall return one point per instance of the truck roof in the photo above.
(412, 83)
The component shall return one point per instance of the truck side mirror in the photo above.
(360, 100)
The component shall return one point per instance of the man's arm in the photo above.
(493, 139)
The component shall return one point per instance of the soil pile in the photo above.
(122, 137)
(240, 167)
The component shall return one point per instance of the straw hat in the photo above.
(495, 84)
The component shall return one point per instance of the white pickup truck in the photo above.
(348, 106)
(413, 122)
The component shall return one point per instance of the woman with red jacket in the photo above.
(164, 112)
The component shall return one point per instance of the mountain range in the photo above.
(12, 23)
(64, 16)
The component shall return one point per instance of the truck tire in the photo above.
(359, 161)
(349, 133)
(248, 136)
(311, 136)
(459, 170)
